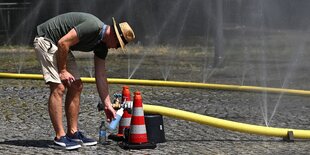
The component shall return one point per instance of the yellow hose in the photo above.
(225, 124)
(173, 84)
(202, 119)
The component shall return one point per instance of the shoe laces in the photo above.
(80, 135)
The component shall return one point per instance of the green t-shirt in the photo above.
(88, 27)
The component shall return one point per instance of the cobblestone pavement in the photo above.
(26, 129)
(25, 126)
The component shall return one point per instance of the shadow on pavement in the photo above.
(29, 143)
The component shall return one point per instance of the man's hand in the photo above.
(109, 112)
(66, 78)
(64, 45)
(103, 89)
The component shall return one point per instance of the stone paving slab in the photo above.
(26, 129)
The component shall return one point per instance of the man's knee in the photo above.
(57, 89)
(77, 85)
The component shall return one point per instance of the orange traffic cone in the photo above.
(126, 118)
(137, 138)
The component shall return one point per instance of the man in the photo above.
(55, 39)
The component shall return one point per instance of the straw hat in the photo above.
(123, 32)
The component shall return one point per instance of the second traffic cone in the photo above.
(126, 118)
(138, 130)
(137, 138)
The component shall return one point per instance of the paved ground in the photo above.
(26, 128)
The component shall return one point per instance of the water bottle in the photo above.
(114, 122)
(103, 133)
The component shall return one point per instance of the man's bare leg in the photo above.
(55, 108)
(72, 106)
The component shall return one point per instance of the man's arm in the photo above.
(64, 45)
(102, 87)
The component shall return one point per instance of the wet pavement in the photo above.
(26, 129)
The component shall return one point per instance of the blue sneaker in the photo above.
(80, 138)
(66, 143)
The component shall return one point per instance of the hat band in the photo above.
(121, 34)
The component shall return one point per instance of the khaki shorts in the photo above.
(46, 54)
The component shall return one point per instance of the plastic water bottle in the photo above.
(103, 133)
(114, 122)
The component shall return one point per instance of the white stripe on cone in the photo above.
(125, 121)
(137, 129)
(138, 111)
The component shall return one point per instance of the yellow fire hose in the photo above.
(172, 84)
(225, 124)
(202, 119)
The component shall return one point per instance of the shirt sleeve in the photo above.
(101, 51)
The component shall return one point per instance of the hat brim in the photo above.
(121, 42)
